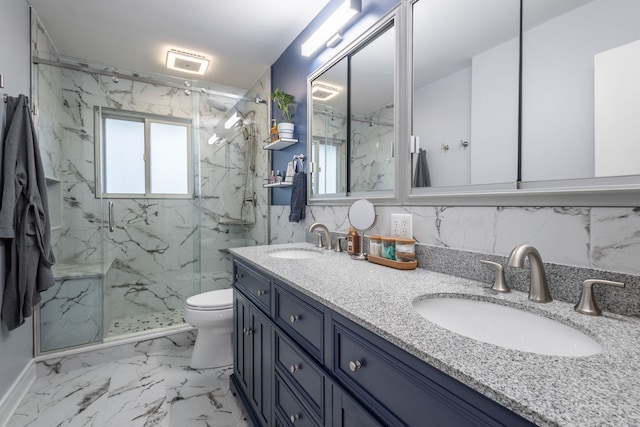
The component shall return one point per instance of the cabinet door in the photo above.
(241, 342)
(261, 365)
(252, 357)
(348, 413)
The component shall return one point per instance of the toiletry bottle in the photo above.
(353, 242)
(272, 178)
(274, 136)
(278, 177)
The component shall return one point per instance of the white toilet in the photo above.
(212, 313)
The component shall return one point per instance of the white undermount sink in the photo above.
(506, 327)
(296, 253)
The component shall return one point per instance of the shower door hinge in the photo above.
(415, 143)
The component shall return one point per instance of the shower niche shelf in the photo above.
(277, 184)
(280, 144)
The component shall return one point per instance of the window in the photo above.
(144, 155)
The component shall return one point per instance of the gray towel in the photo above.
(24, 216)
(298, 196)
(421, 177)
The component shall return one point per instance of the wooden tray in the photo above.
(411, 265)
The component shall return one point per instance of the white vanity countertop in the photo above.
(599, 390)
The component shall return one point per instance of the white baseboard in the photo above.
(10, 401)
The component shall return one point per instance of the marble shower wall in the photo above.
(372, 138)
(232, 176)
(599, 238)
(45, 100)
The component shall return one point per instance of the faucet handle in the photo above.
(587, 304)
(319, 244)
(500, 284)
(339, 245)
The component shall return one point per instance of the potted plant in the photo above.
(285, 102)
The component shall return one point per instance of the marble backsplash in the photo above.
(575, 243)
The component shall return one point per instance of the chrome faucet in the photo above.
(538, 290)
(327, 236)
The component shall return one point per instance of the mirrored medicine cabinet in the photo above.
(475, 110)
(352, 114)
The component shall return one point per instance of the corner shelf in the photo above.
(277, 184)
(280, 144)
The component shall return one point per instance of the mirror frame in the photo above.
(394, 18)
(616, 191)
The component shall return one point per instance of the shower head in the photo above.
(216, 104)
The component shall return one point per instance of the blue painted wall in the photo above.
(290, 73)
(16, 347)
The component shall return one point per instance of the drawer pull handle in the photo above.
(354, 366)
(294, 368)
(261, 292)
(248, 331)
(294, 418)
(293, 318)
(239, 276)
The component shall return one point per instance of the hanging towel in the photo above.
(421, 176)
(298, 194)
(24, 216)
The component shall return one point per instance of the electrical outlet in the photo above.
(406, 226)
(395, 224)
(402, 225)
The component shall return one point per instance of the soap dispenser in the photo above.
(353, 242)
(274, 136)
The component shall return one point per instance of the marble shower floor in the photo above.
(144, 322)
(155, 389)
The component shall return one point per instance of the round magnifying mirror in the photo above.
(362, 216)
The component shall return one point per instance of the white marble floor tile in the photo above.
(153, 389)
(75, 398)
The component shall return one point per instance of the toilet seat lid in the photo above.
(212, 300)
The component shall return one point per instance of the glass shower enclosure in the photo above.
(128, 259)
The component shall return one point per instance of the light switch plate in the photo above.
(402, 225)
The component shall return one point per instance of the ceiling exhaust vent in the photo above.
(324, 92)
(187, 62)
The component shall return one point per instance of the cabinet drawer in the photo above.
(302, 373)
(302, 321)
(289, 408)
(254, 285)
(396, 391)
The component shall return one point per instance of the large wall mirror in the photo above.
(465, 92)
(580, 89)
(494, 113)
(352, 113)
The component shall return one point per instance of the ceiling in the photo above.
(243, 38)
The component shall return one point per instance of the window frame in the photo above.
(101, 114)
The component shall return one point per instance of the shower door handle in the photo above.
(111, 227)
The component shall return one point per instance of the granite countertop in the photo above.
(598, 390)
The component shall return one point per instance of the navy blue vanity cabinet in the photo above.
(304, 376)
(301, 319)
(254, 285)
(297, 362)
(252, 350)
(348, 413)
(403, 390)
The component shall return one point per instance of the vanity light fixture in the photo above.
(187, 62)
(347, 10)
(323, 92)
(231, 121)
(334, 40)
